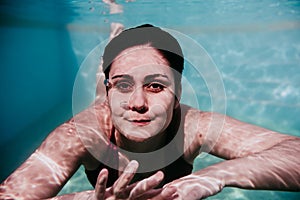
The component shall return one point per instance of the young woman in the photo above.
(140, 143)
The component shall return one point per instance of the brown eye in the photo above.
(123, 86)
(155, 87)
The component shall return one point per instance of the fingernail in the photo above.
(103, 176)
(134, 163)
(160, 175)
(103, 172)
(132, 167)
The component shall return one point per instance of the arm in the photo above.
(257, 171)
(276, 168)
(45, 172)
(261, 159)
(258, 158)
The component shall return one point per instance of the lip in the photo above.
(140, 122)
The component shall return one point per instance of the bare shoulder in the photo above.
(77, 139)
(194, 125)
(103, 115)
(93, 128)
(196, 122)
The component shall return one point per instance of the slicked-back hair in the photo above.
(153, 36)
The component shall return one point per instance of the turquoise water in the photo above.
(254, 44)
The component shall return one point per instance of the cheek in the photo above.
(163, 107)
(163, 117)
(115, 102)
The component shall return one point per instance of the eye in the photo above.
(155, 87)
(124, 86)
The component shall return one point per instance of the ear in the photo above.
(177, 96)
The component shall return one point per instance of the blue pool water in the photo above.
(254, 44)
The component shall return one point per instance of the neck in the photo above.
(148, 145)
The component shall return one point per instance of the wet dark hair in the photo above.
(157, 38)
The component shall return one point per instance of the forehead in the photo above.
(140, 59)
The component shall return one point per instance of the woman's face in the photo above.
(141, 96)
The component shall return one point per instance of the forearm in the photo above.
(255, 158)
(276, 168)
(45, 172)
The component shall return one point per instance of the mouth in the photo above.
(140, 122)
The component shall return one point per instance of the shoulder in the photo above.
(96, 118)
(195, 120)
(195, 126)
(198, 121)
(103, 115)
(93, 127)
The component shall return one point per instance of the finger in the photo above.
(151, 194)
(168, 193)
(147, 195)
(101, 184)
(164, 194)
(124, 180)
(146, 185)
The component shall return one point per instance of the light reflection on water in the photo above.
(255, 45)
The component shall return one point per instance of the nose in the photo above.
(138, 101)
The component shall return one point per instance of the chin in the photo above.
(137, 137)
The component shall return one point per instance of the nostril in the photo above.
(140, 109)
(138, 101)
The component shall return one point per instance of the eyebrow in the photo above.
(153, 76)
(122, 76)
(149, 77)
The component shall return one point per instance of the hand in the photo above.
(122, 189)
(193, 186)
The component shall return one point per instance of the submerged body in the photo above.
(273, 159)
(142, 115)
